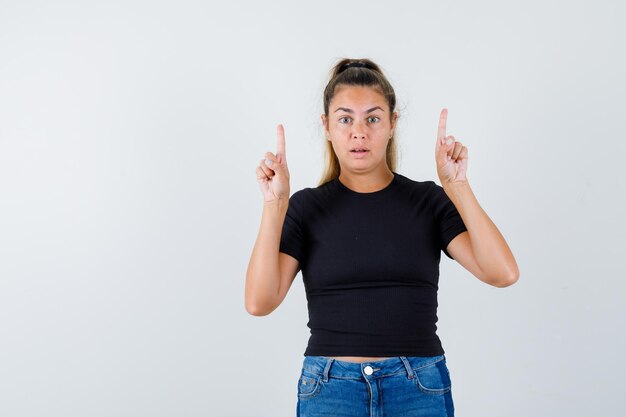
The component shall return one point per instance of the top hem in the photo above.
(422, 353)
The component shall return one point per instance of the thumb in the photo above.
(275, 163)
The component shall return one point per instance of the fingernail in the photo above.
(268, 162)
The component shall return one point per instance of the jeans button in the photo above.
(368, 370)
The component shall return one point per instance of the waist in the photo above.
(369, 369)
(374, 322)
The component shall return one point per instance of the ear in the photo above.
(325, 125)
(394, 118)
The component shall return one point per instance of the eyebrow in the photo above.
(352, 111)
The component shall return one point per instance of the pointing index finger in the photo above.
(280, 145)
(441, 133)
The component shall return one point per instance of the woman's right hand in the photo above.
(273, 174)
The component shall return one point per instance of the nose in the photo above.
(358, 131)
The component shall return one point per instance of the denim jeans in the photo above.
(401, 386)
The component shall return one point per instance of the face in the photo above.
(358, 117)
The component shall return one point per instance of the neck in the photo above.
(366, 182)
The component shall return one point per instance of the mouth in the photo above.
(359, 150)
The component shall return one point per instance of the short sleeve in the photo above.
(292, 236)
(449, 221)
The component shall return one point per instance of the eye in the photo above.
(374, 117)
(345, 117)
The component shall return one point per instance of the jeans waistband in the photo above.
(329, 367)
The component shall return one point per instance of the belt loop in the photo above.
(329, 361)
(407, 365)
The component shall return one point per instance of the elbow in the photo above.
(509, 280)
(255, 303)
(255, 308)
(256, 311)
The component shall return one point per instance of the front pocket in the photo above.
(308, 384)
(433, 379)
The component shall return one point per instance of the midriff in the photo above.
(358, 359)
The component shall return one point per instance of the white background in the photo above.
(129, 137)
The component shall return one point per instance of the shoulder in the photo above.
(430, 187)
(317, 193)
(416, 183)
(426, 194)
(297, 200)
(299, 194)
(306, 195)
(421, 187)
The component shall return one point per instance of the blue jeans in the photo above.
(401, 386)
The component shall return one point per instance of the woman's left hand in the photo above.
(451, 155)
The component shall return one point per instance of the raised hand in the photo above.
(272, 173)
(451, 155)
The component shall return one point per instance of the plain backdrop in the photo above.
(130, 133)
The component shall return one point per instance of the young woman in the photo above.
(368, 241)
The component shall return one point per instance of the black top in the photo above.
(370, 265)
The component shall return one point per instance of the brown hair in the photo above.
(370, 75)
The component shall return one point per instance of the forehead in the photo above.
(357, 97)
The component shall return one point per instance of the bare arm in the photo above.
(263, 274)
(270, 273)
(482, 250)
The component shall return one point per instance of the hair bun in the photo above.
(356, 64)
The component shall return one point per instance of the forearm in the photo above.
(490, 249)
(263, 274)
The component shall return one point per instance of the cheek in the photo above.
(340, 127)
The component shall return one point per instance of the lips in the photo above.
(360, 154)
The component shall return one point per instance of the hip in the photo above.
(398, 385)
